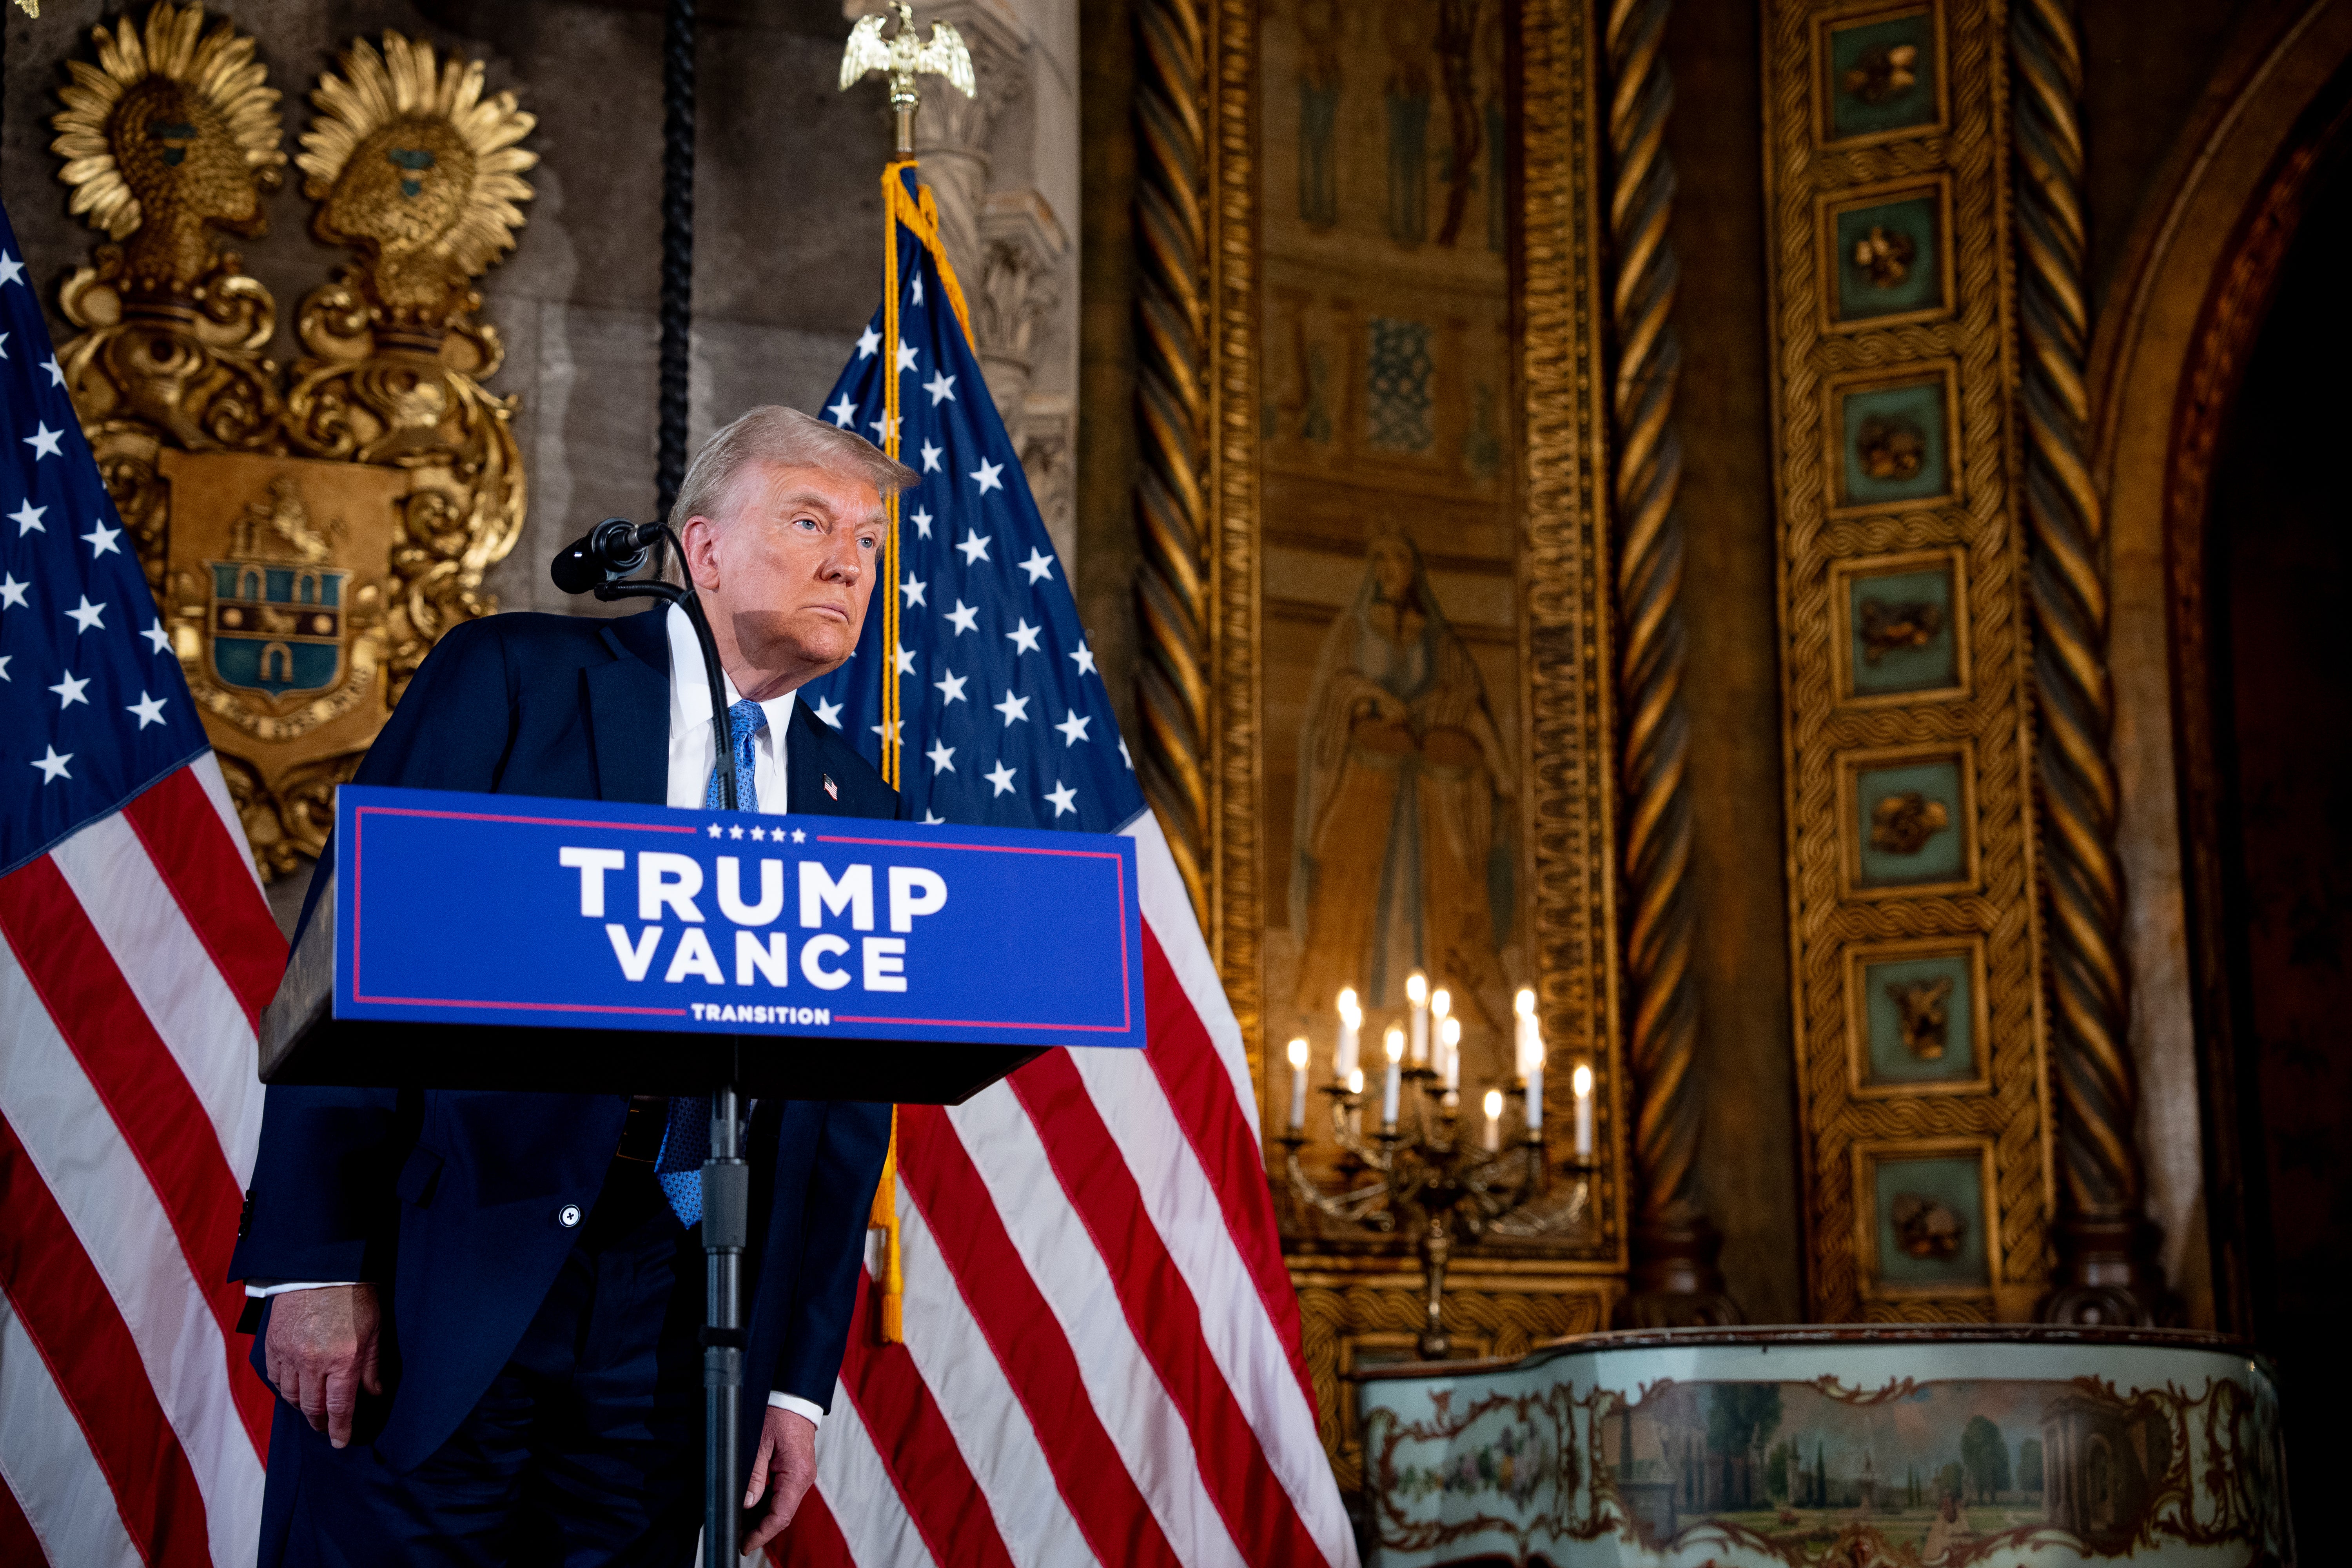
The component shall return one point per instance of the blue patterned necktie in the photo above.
(685, 1142)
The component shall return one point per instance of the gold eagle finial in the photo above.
(902, 57)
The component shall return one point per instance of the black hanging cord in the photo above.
(677, 245)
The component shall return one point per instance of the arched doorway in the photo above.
(2264, 651)
(2220, 358)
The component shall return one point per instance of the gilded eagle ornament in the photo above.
(309, 532)
(902, 57)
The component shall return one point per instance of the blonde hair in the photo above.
(770, 434)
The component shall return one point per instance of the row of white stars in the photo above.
(974, 547)
(147, 710)
(988, 475)
(100, 538)
(759, 834)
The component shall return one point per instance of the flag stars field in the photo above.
(136, 951)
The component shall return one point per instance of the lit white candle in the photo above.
(1531, 1058)
(1356, 1098)
(1580, 1082)
(1395, 1046)
(1416, 991)
(1298, 1083)
(1352, 1022)
(1494, 1120)
(1451, 1038)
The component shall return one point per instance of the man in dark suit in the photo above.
(498, 1292)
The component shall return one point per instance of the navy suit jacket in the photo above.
(448, 1201)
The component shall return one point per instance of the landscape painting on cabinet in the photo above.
(1915, 1474)
(1389, 519)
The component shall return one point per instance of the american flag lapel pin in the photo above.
(832, 788)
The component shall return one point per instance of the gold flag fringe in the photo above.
(920, 214)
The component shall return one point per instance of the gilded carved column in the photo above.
(1675, 1277)
(1172, 582)
(2105, 1275)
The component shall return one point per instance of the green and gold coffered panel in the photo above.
(1912, 919)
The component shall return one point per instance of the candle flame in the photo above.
(1298, 1052)
(1356, 1081)
(1452, 1032)
(1347, 1002)
(1580, 1080)
(1417, 988)
(1441, 1003)
(1393, 1043)
(1494, 1104)
(1524, 1005)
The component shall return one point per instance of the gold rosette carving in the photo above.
(418, 173)
(311, 532)
(171, 134)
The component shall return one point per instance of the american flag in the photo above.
(136, 954)
(1101, 1359)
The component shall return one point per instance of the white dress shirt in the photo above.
(693, 741)
(693, 753)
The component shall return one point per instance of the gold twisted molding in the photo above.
(1674, 1246)
(1172, 593)
(2108, 1275)
(1928, 1193)
(309, 534)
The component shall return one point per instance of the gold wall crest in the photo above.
(310, 532)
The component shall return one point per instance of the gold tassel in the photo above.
(884, 1218)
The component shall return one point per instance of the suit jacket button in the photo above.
(568, 1216)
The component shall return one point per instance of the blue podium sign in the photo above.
(474, 908)
(503, 940)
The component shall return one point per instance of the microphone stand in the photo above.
(726, 1178)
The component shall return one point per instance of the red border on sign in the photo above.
(360, 815)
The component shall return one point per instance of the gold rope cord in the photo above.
(921, 216)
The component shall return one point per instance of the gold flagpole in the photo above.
(902, 57)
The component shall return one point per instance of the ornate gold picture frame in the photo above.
(1400, 403)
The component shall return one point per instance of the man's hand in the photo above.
(320, 1352)
(788, 1458)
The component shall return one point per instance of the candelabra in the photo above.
(1429, 1174)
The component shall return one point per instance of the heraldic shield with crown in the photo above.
(311, 530)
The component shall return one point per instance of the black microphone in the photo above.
(613, 548)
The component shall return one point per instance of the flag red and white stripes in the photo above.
(1102, 1359)
(135, 959)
